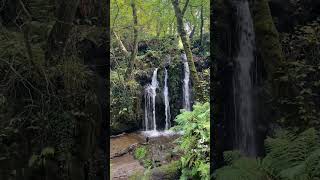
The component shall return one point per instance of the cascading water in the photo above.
(186, 84)
(150, 103)
(245, 128)
(166, 100)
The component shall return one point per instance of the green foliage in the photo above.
(39, 160)
(124, 101)
(205, 84)
(195, 141)
(40, 106)
(300, 108)
(140, 153)
(241, 169)
(155, 18)
(75, 75)
(289, 157)
(147, 163)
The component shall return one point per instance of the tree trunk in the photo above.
(186, 47)
(192, 32)
(201, 26)
(59, 34)
(122, 47)
(135, 40)
(269, 47)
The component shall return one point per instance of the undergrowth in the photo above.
(289, 157)
(195, 141)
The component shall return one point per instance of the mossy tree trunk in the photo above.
(186, 46)
(270, 57)
(59, 34)
(268, 44)
(135, 40)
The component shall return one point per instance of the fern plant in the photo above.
(289, 157)
(195, 141)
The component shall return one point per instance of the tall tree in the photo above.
(186, 44)
(135, 40)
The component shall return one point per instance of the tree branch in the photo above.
(26, 32)
(185, 7)
(122, 47)
(25, 9)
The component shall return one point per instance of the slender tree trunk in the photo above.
(135, 40)
(159, 25)
(192, 32)
(186, 46)
(122, 47)
(201, 26)
(59, 34)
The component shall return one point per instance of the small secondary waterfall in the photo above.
(245, 128)
(150, 103)
(166, 100)
(186, 84)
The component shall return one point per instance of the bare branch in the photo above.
(25, 9)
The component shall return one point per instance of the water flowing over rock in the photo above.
(150, 103)
(243, 85)
(186, 84)
(166, 101)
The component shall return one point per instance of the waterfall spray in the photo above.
(186, 84)
(150, 103)
(245, 129)
(166, 101)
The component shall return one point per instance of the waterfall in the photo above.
(186, 84)
(150, 103)
(245, 133)
(166, 100)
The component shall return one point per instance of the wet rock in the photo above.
(125, 166)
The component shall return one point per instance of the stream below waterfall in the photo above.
(123, 163)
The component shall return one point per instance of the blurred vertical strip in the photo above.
(106, 14)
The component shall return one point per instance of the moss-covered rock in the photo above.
(166, 172)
